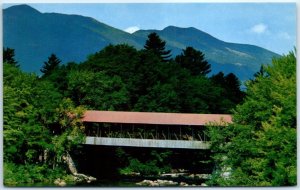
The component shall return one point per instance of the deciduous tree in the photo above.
(259, 148)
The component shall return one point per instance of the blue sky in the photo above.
(269, 25)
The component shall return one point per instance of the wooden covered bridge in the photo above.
(150, 129)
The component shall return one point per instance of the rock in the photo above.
(173, 182)
(203, 176)
(203, 184)
(90, 178)
(56, 182)
(182, 170)
(173, 175)
(60, 182)
(153, 183)
(145, 183)
(183, 184)
(156, 183)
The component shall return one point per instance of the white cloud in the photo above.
(132, 29)
(259, 28)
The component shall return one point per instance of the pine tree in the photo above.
(50, 65)
(157, 45)
(194, 61)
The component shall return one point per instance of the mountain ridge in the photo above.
(35, 35)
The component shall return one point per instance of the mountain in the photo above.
(35, 35)
(242, 59)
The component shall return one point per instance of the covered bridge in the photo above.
(150, 129)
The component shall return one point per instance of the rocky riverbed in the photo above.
(182, 178)
(158, 182)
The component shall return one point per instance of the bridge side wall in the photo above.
(182, 144)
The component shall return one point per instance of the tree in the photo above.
(9, 57)
(50, 65)
(39, 128)
(231, 92)
(193, 60)
(161, 98)
(25, 137)
(97, 91)
(232, 85)
(156, 45)
(261, 72)
(259, 148)
(114, 60)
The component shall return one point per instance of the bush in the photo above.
(16, 175)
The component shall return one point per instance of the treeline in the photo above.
(119, 77)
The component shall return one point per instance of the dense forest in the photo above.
(42, 113)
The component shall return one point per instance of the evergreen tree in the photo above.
(230, 90)
(9, 57)
(232, 85)
(158, 46)
(218, 79)
(50, 65)
(194, 61)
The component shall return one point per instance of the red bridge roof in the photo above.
(154, 118)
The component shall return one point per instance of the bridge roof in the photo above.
(153, 118)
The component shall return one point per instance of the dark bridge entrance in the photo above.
(147, 129)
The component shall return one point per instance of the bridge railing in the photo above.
(189, 133)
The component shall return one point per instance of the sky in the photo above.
(268, 25)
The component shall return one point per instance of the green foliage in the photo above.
(97, 90)
(128, 79)
(23, 136)
(18, 175)
(70, 133)
(9, 57)
(145, 169)
(50, 65)
(161, 98)
(230, 90)
(259, 148)
(155, 163)
(157, 46)
(193, 60)
(37, 120)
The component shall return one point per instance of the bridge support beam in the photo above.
(154, 143)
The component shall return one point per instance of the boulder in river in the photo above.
(157, 183)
